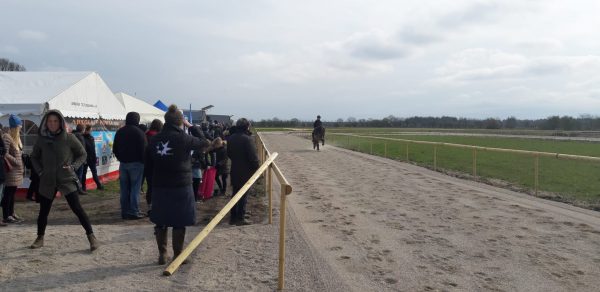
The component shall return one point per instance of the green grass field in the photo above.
(576, 182)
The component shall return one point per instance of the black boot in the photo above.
(177, 241)
(161, 241)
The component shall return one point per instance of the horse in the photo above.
(318, 134)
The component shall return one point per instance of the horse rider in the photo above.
(317, 123)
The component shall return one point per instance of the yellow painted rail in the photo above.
(269, 167)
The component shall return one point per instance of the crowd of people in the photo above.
(171, 158)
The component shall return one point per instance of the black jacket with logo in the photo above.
(168, 157)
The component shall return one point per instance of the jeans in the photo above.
(79, 174)
(130, 182)
(94, 171)
(74, 204)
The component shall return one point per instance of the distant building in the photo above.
(222, 119)
(198, 116)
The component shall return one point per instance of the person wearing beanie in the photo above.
(14, 177)
(129, 146)
(55, 157)
(244, 162)
(168, 160)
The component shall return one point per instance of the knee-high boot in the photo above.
(161, 242)
(177, 240)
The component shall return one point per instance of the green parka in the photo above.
(51, 153)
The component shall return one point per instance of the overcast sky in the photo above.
(336, 58)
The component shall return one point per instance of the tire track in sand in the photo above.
(386, 225)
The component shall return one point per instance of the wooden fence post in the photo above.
(434, 157)
(270, 192)
(282, 238)
(537, 173)
(385, 149)
(474, 162)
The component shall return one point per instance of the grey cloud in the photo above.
(540, 44)
(546, 68)
(378, 52)
(499, 66)
(415, 37)
(474, 13)
(32, 35)
(374, 46)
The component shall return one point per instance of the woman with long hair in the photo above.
(14, 176)
(220, 149)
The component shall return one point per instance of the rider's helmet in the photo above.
(318, 117)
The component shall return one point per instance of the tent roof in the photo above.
(147, 111)
(36, 87)
(75, 94)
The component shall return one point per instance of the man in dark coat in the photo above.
(129, 146)
(244, 162)
(90, 149)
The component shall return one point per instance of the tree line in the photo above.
(7, 65)
(565, 123)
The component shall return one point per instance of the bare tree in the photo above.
(7, 65)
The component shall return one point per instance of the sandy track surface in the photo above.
(356, 222)
(386, 225)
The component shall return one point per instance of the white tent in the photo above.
(75, 94)
(147, 111)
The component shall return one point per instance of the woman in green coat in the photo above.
(55, 157)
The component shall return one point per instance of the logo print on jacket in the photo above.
(165, 149)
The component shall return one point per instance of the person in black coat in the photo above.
(129, 147)
(90, 149)
(244, 162)
(2, 174)
(317, 122)
(198, 162)
(168, 159)
(78, 133)
(220, 150)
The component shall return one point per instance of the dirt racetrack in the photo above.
(356, 222)
(386, 225)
